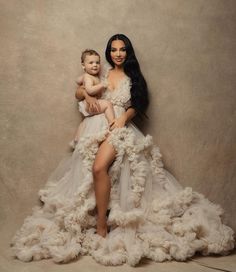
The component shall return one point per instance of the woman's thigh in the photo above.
(104, 157)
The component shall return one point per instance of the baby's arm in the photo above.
(91, 88)
(80, 80)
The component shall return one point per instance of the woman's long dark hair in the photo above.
(139, 90)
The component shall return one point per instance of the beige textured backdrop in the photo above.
(186, 50)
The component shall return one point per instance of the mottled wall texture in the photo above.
(187, 53)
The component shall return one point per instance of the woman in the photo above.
(121, 57)
(121, 171)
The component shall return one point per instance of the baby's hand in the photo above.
(80, 80)
(105, 85)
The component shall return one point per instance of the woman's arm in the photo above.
(123, 119)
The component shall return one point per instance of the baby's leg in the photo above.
(78, 131)
(74, 142)
(107, 108)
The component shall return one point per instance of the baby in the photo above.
(90, 61)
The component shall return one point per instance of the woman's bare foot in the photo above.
(102, 227)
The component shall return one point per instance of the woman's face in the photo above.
(118, 52)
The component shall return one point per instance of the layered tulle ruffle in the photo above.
(147, 218)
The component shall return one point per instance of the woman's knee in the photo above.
(104, 158)
(99, 169)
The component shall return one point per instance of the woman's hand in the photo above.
(118, 122)
(123, 119)
(93, 105)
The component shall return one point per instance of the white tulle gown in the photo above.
(151, 215)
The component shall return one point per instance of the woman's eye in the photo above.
(123, 49)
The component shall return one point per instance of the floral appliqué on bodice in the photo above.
(120, 96)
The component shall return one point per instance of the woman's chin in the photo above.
(119, 64)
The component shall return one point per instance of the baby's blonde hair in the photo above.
(88, 52)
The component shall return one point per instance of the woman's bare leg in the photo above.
(105, 156)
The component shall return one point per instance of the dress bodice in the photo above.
(120, 96)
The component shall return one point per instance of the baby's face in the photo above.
(91, 64)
